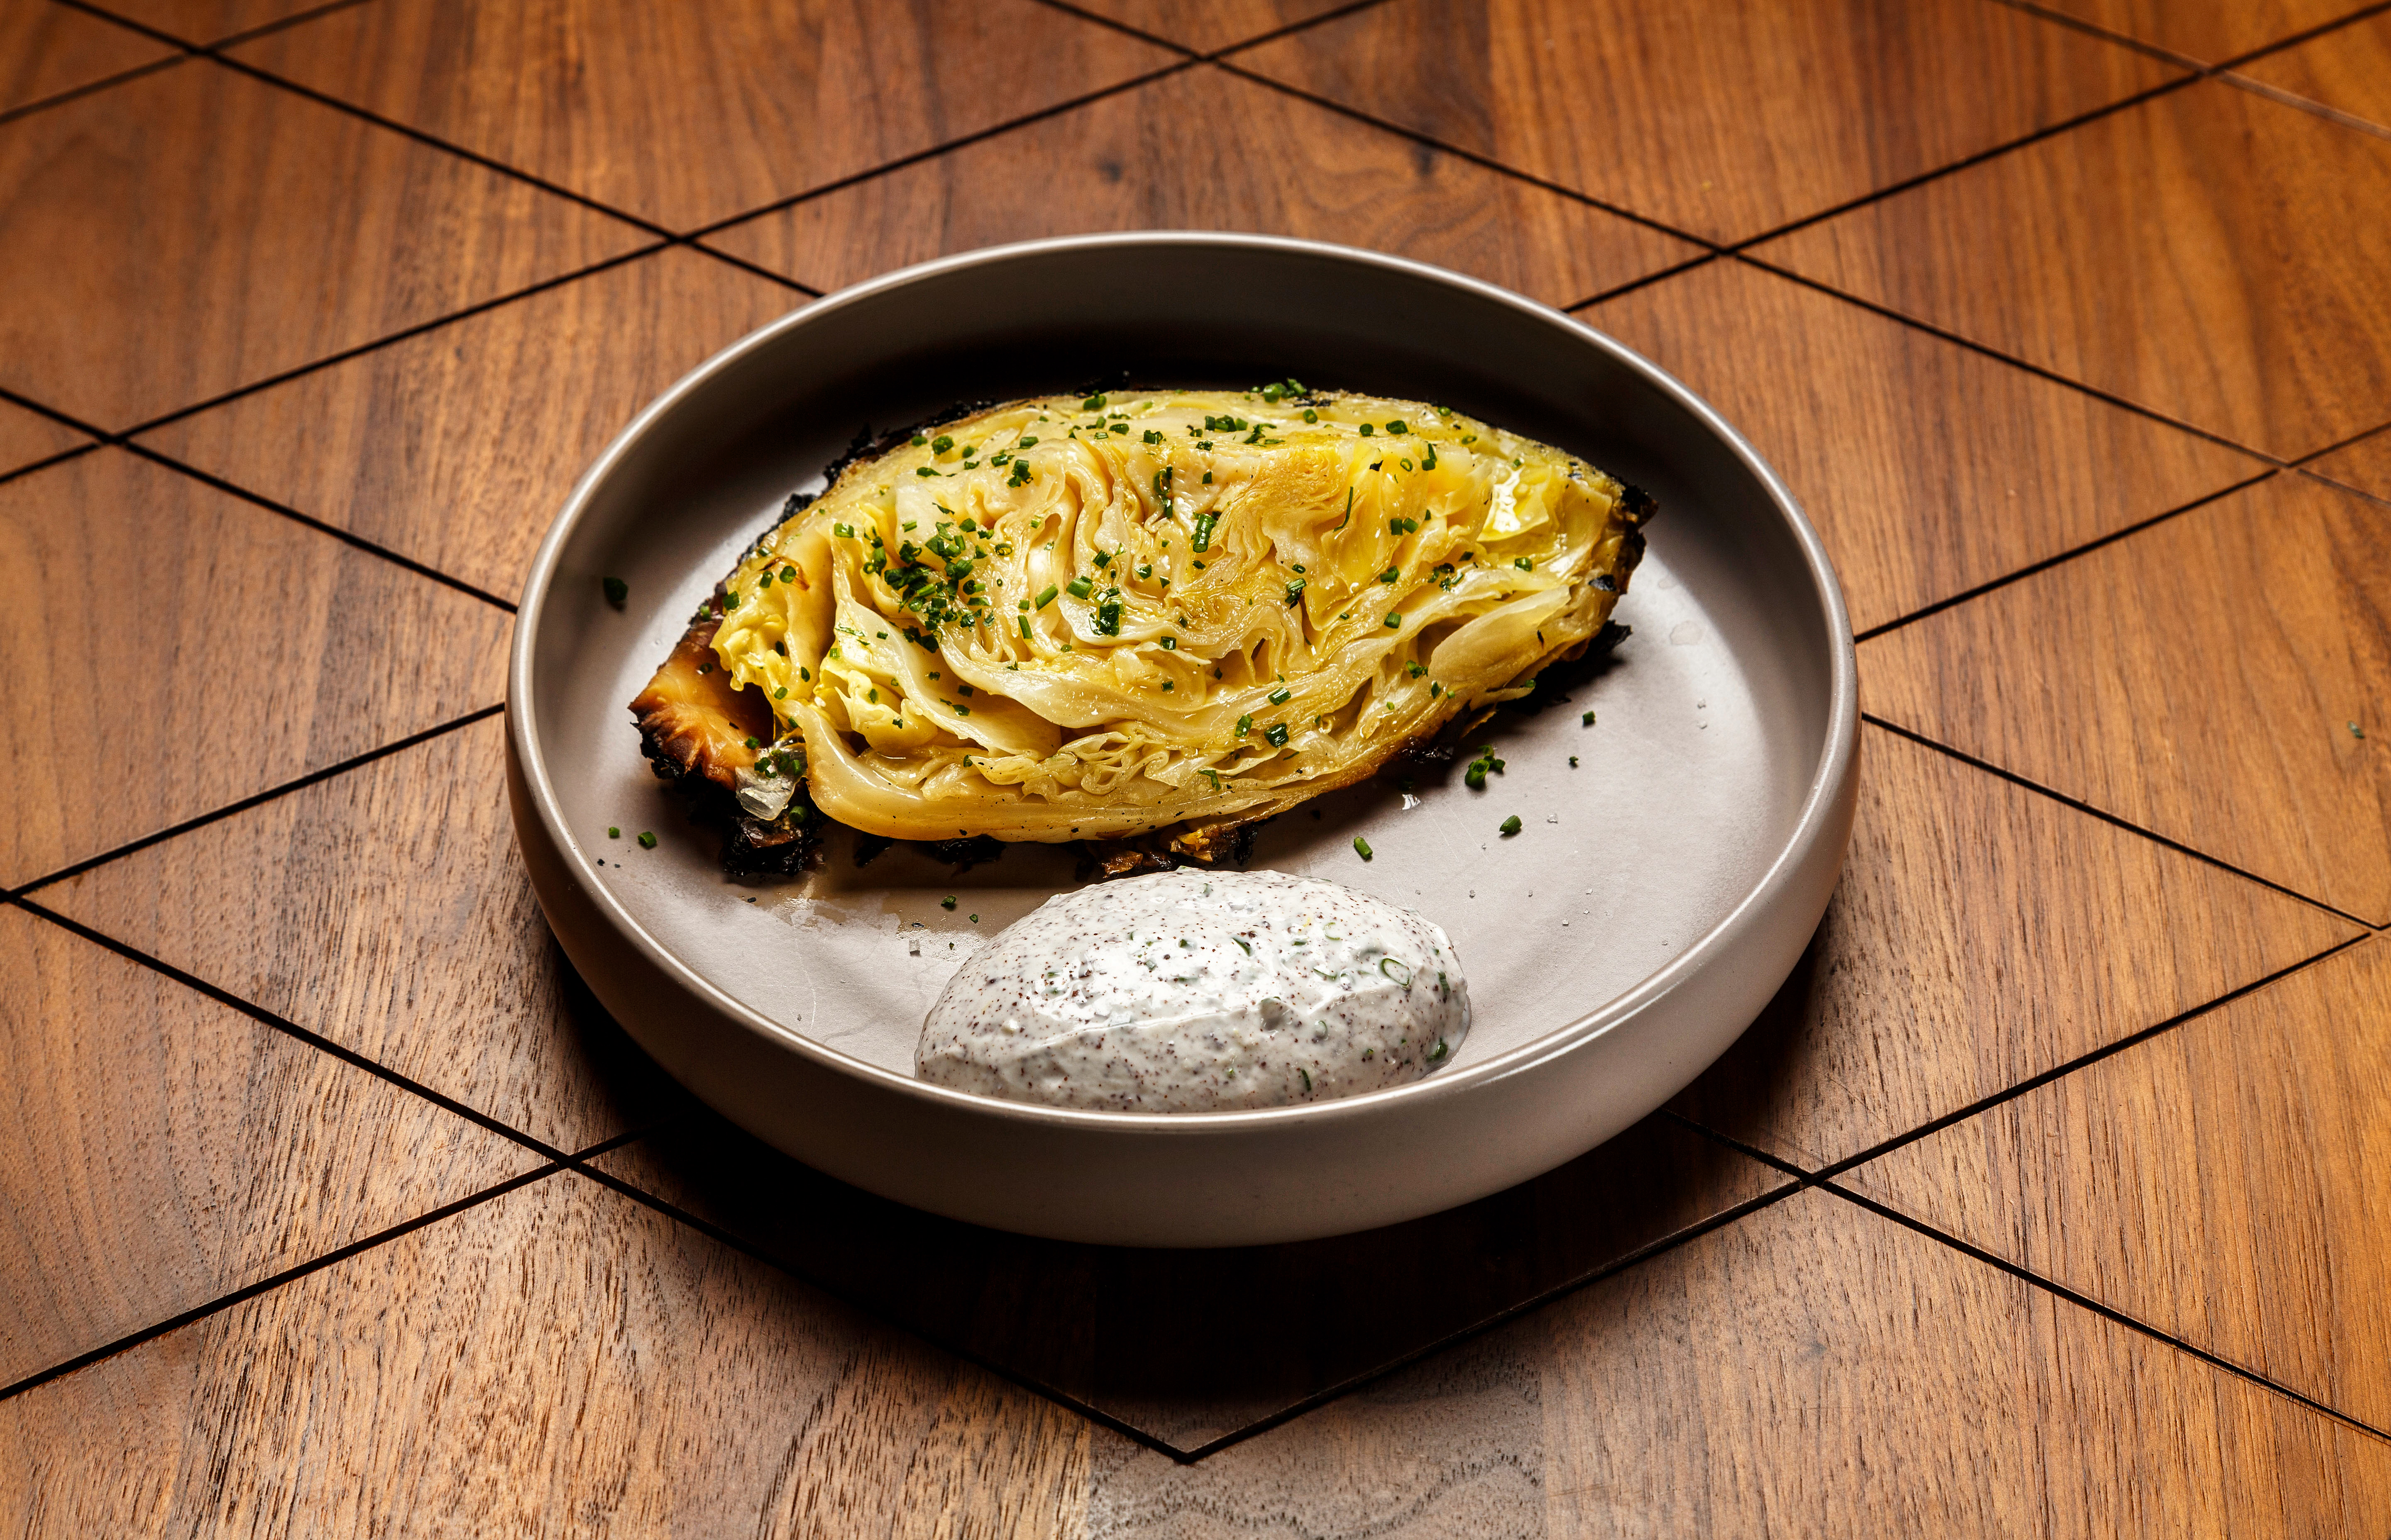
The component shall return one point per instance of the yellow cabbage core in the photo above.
(1063, 618)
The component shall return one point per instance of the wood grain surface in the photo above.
(1982, 934)
(2208, 679)
(1160, 1340)
(388, 910)
(1810, 1369)
(46, 49)
(26, 437)
(768, 100)
(161, 1149)
(193, 230)
(1208, 26)
(1928, 467)
(235, 649)
(2222, 1182)
(2050, 298)
(1266, 162)
(2211, 255)
(1725, 118)
(2344, 69)
(2210, 31)
(2364, 466)
(557, 1361)
(400, 444)
(205, 22)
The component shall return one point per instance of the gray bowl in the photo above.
(1667, 880)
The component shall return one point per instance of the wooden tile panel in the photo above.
(1264, 160)
(1928, 467)
(1982, 934)
(401, 444)
(558, 1360)
(194, 230)
(206, 22)
(2210, 31)
(1725, 118)
(2208, 679)
(1810, 1369)
(1167, 1341)
(48, 48)
(2210, 254)
(173, 648)
(2222, 1182)
(387, 910)
(2365, 466)
(1207, 25)
(2345, 68)
(768, 99)
(159, 1150)
(26, 437)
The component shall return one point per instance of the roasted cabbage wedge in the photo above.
(1149, 613)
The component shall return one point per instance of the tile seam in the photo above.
(2180, 847)
(2106, 1311)
(259, 799)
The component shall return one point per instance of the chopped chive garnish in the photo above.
(616, 590)
(1586, 721)
(1048, 596)
(1280, 695)
(948, 901)
(1524, 564)
(1244, 725)
(1276, 735)
(647, 840)
(1394, 619)
(1361, 847)
(1510, 825)
(1078, 588)
(613, 832)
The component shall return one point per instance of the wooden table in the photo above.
(2052, 1195)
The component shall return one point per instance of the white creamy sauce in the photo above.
(1201, 991)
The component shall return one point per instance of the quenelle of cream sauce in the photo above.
(1201, 991)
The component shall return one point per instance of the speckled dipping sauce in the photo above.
(1201, 991)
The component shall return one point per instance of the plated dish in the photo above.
(1625, 895)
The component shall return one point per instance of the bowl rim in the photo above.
(1815, 820)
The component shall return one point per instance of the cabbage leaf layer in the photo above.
(1094, 618)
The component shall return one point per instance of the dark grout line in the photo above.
(1472, 157)
(346, 537)
(2234, 61)
(259, 799)
(1272, 35)
(281, 23)
(289, 1274)
(1335, 14)
(1987, 351)
(64, 454)
(2106, 1311)
(2105, 815)
(424, 136)
(1893, 189)
(1606, 295)
(280, 1024)
(759, 269)
(864, 1306)
(2316, 476)
(77, 93)
(329, 360)
(2306, 104)
(2025, 1087)
(2031, 567)
(2093, 29)
(1501, 1317)
(933, 152)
